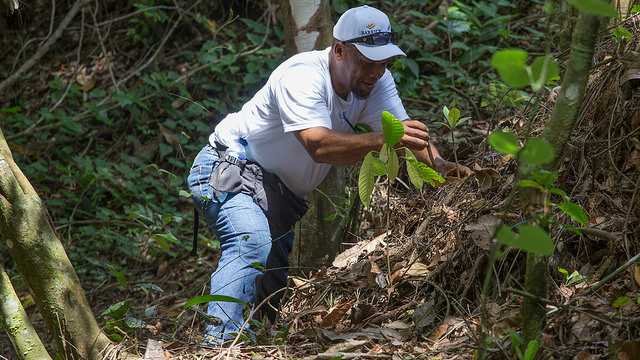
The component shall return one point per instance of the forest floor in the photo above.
(426, 287)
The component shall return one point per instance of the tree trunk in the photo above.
(557, 132)
(26, 230)
(15, 322)
(308, 26)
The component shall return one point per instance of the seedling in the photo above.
(452, 120)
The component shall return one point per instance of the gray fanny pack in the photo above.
(282, 207)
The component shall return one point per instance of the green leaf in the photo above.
(117, 310)
(121, 279)
(428, 174)
(379, 167)
(208, 298)
(563, 271)
(544, 177)
(543, 69)
(575, 211)
(530, 183)
(621, 301)
(384, 154)
(537, 152)
(453, 117)
(504, 142)
(161, 240)
(363, 128)
(414, 176)
(511, 66)
(622, 33)
(595, 7)
(531, 239)
(365, 180)
(132, 324)
(392, 129)
(393, 166)
(532, 350)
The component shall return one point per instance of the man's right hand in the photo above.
(416, 135)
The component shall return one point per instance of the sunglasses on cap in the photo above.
(379, 38)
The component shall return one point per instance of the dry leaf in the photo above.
(583, 355)
(485, 178)
(628, 349)
(636, 273)
(417, 269)
(350, 256)
(163, 270)
(482, 230)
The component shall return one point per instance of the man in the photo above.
(298, 125)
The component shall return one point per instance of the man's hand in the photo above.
(448, 168)
(416, 135)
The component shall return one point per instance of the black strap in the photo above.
(196, 220)
(344, 116)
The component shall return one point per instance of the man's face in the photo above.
(361, 73)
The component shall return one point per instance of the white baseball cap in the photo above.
(369, 30)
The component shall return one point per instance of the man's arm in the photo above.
(341, 148)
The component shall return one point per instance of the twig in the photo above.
(604, 281)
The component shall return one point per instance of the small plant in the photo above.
(517, 342)
(452, 121)
(572, 279)
(387, 163)
(534, 238)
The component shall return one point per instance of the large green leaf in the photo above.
(543, 69)
(427, 174)
(575, 211)
(532, 239)
(511, 66)
(119, 276)
(414, 176)
(117, 310)
(392, 129)
(208, 298)
(537, 152)
(365, 180)
(595, 7)
(504, 142)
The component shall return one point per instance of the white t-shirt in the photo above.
(299, 95)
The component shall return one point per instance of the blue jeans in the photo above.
(255, 258)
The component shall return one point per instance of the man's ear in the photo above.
(338, 51)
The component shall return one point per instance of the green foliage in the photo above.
(208, 298)
(512, 68)
(387, 163)
(535, 152)
(120, 325)
(111, 164)
(595, 7)
(572, 279)
(517, 342)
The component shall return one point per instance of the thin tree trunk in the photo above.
(557, 132)
(27, 232)
(308, 26)
(16, 323)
